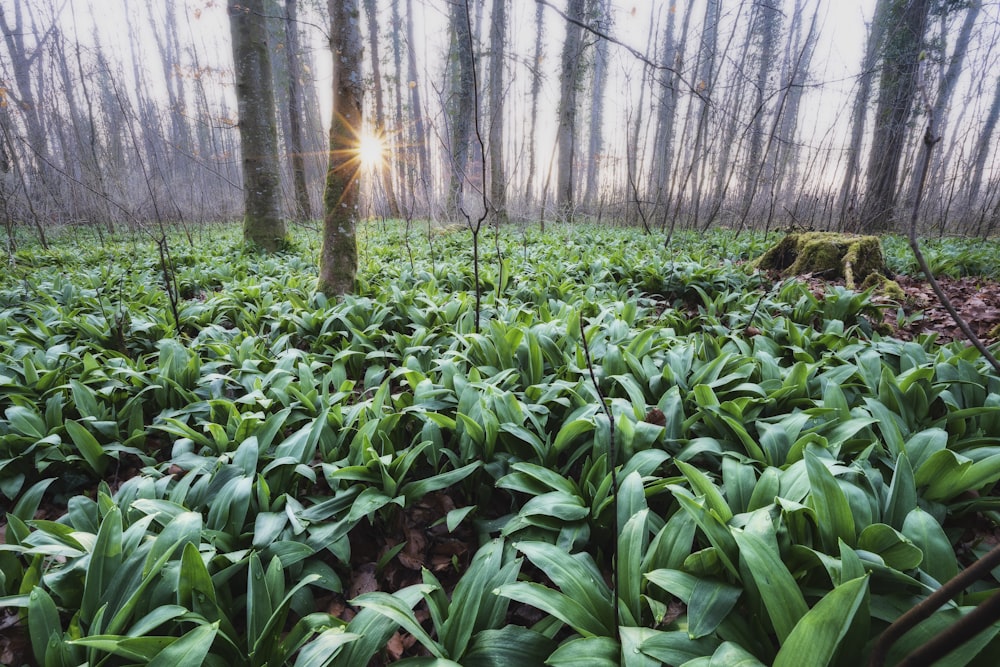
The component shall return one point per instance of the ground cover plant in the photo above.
(634, 454)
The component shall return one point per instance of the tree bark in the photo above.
(985, 146)
(339, 256)
(385, 175)
(296, 147)
(460, 104)
(536, 87)
(498, 41)
(263, 225)
(897, 90)
(570, 70)
(849, 188)
(596, 143)
(416, 107)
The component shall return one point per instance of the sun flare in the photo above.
(371, 151)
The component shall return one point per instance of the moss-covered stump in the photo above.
(829, 254)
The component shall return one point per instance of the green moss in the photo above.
(882, 286)
(828, 254)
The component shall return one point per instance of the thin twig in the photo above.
(929, 142)
(613, 461)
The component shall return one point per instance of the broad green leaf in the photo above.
(778, 590)
(586, 652)
(418, 489)
(88, 446)
(894, 547)
(373, 629)
(703, 486)
(190, 649)
(402, 615)
(105, 564)
(673, 648)
(323, 650)
(902, 493)
(142, 649)
(509, 645)
(834, 516)
(566, 609)
(631, 548)
(939, 559)
(570, 431)
(709, 605)
(43, 623)
(576, 575)
(29, 501)
(815, 639)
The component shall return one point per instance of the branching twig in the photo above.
(636, 53)
(613, 462)
(477, 226)
(929, 142)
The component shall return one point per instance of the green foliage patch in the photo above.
(788, 480)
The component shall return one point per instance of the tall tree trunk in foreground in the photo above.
(338, 262)
(296, 148)
(570, 69)
(262, 225)
(498, 39)
(897, 91)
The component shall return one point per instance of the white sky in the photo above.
(835, 65)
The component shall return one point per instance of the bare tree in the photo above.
(296, 147)
(460, 102)
(536, 87)
(985, 145)
(873, 48)
(263, 225)
(498, 40)
(907, 22)
(569, 78)
(338, 263)
(385, 175)
(601, 10)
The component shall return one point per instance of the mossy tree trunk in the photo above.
(338, 264)
(263, 225)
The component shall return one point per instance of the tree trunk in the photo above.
(385, 175)
(296, 148)
(907, 21)
(398, 156)
(596, 144)
(985, 146)
(338, 263)
(416, 107)
(498, 40)
(766, 22)
(461, 103)
(570, 70)
(263, 225)
(536, 87)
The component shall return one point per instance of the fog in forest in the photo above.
(739, 113)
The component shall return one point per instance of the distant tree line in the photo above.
(522, 109)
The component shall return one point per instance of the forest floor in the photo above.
(976, 299)
(447, 554)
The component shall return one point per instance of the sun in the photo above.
(371, 151)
